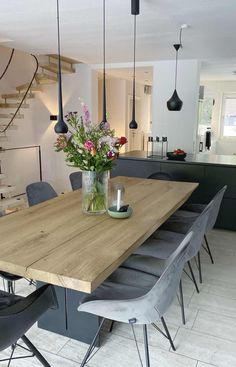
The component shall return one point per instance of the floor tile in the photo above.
(205, 348)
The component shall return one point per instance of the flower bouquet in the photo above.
(92, 148)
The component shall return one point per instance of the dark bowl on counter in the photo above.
(176, 157)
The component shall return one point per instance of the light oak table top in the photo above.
(56, 243)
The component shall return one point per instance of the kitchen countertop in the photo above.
(208, 159)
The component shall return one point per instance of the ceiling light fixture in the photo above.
(104, 113)
(134, 11)
(60, 127)
(175, 103)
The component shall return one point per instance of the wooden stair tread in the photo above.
(45, 78)
(17, 96)
(65, 59)
(5, 189)
(13, 105)
(54, 68)
(11, 202)
(34, 87)
(11, 127)
(2, 176)
(9, 116)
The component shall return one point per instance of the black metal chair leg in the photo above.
(145, 337)
(199, 267)
(111, 326)
(182, 302)
(167, 333)
(12, 352)
(92, 344)
(208, 249)
(35, 351)
(193, 276)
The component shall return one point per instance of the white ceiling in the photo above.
(31, 25)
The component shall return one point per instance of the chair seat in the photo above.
(161, 246)
(7, 299)
(8, 276)
(197, 208)
(147, 264)
(180, 222)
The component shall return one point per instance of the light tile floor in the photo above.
(207, 340)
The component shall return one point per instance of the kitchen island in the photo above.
(211, 171)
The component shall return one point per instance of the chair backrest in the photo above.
(215, 207)
(39, 192)
(76, 180)
(161, 176)
(199, 229)
(157, 301)
(17, 318)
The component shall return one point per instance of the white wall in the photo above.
(180, 126)
(75, 86)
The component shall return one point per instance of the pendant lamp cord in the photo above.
(59, 67)
(134, 76)
(176, 67)
(104, 63)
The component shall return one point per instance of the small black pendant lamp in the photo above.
(134, 11)
(104, 112)
(60, 127)
(175, 103)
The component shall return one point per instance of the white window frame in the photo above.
(222, 115)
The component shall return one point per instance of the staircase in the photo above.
(47, 75)
(8, 202)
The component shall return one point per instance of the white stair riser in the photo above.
(11, 203)
(4, 189)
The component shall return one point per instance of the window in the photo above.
(229, 116)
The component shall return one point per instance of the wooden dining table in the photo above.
(54, 242)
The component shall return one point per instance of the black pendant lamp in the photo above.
(60, 127)
(134, 11)
(175, 103)
(104, 112)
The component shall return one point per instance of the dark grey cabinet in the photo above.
(211, 178)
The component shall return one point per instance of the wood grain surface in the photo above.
(55, 242)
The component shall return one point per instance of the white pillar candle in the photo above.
(118, 199)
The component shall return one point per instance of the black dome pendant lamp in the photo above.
(104, 111)
(175, 103)
(60, 127)
(134, 11)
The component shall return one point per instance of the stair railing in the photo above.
(24, 96)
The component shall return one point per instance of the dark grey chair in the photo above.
(18, 314)
(152, 255)
(76, 180)
(39, 192)
(182, 220)
(133, 297)
(161, 176)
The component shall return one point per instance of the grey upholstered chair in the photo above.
(76, 180)
(39, 192)
(162, 245)
(182, 220)
(161, 176)
(126, 298)
(18, 314)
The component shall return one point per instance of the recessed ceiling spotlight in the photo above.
(184, 26)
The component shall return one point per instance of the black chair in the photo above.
(18, 314)
(161, 176)
(76, 180)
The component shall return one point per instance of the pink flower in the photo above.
(89, 145)
(86, 113)
(110, 154)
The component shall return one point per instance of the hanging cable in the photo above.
(8, 64)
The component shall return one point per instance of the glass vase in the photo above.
(94, 192)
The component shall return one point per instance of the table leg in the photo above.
(66, 320)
